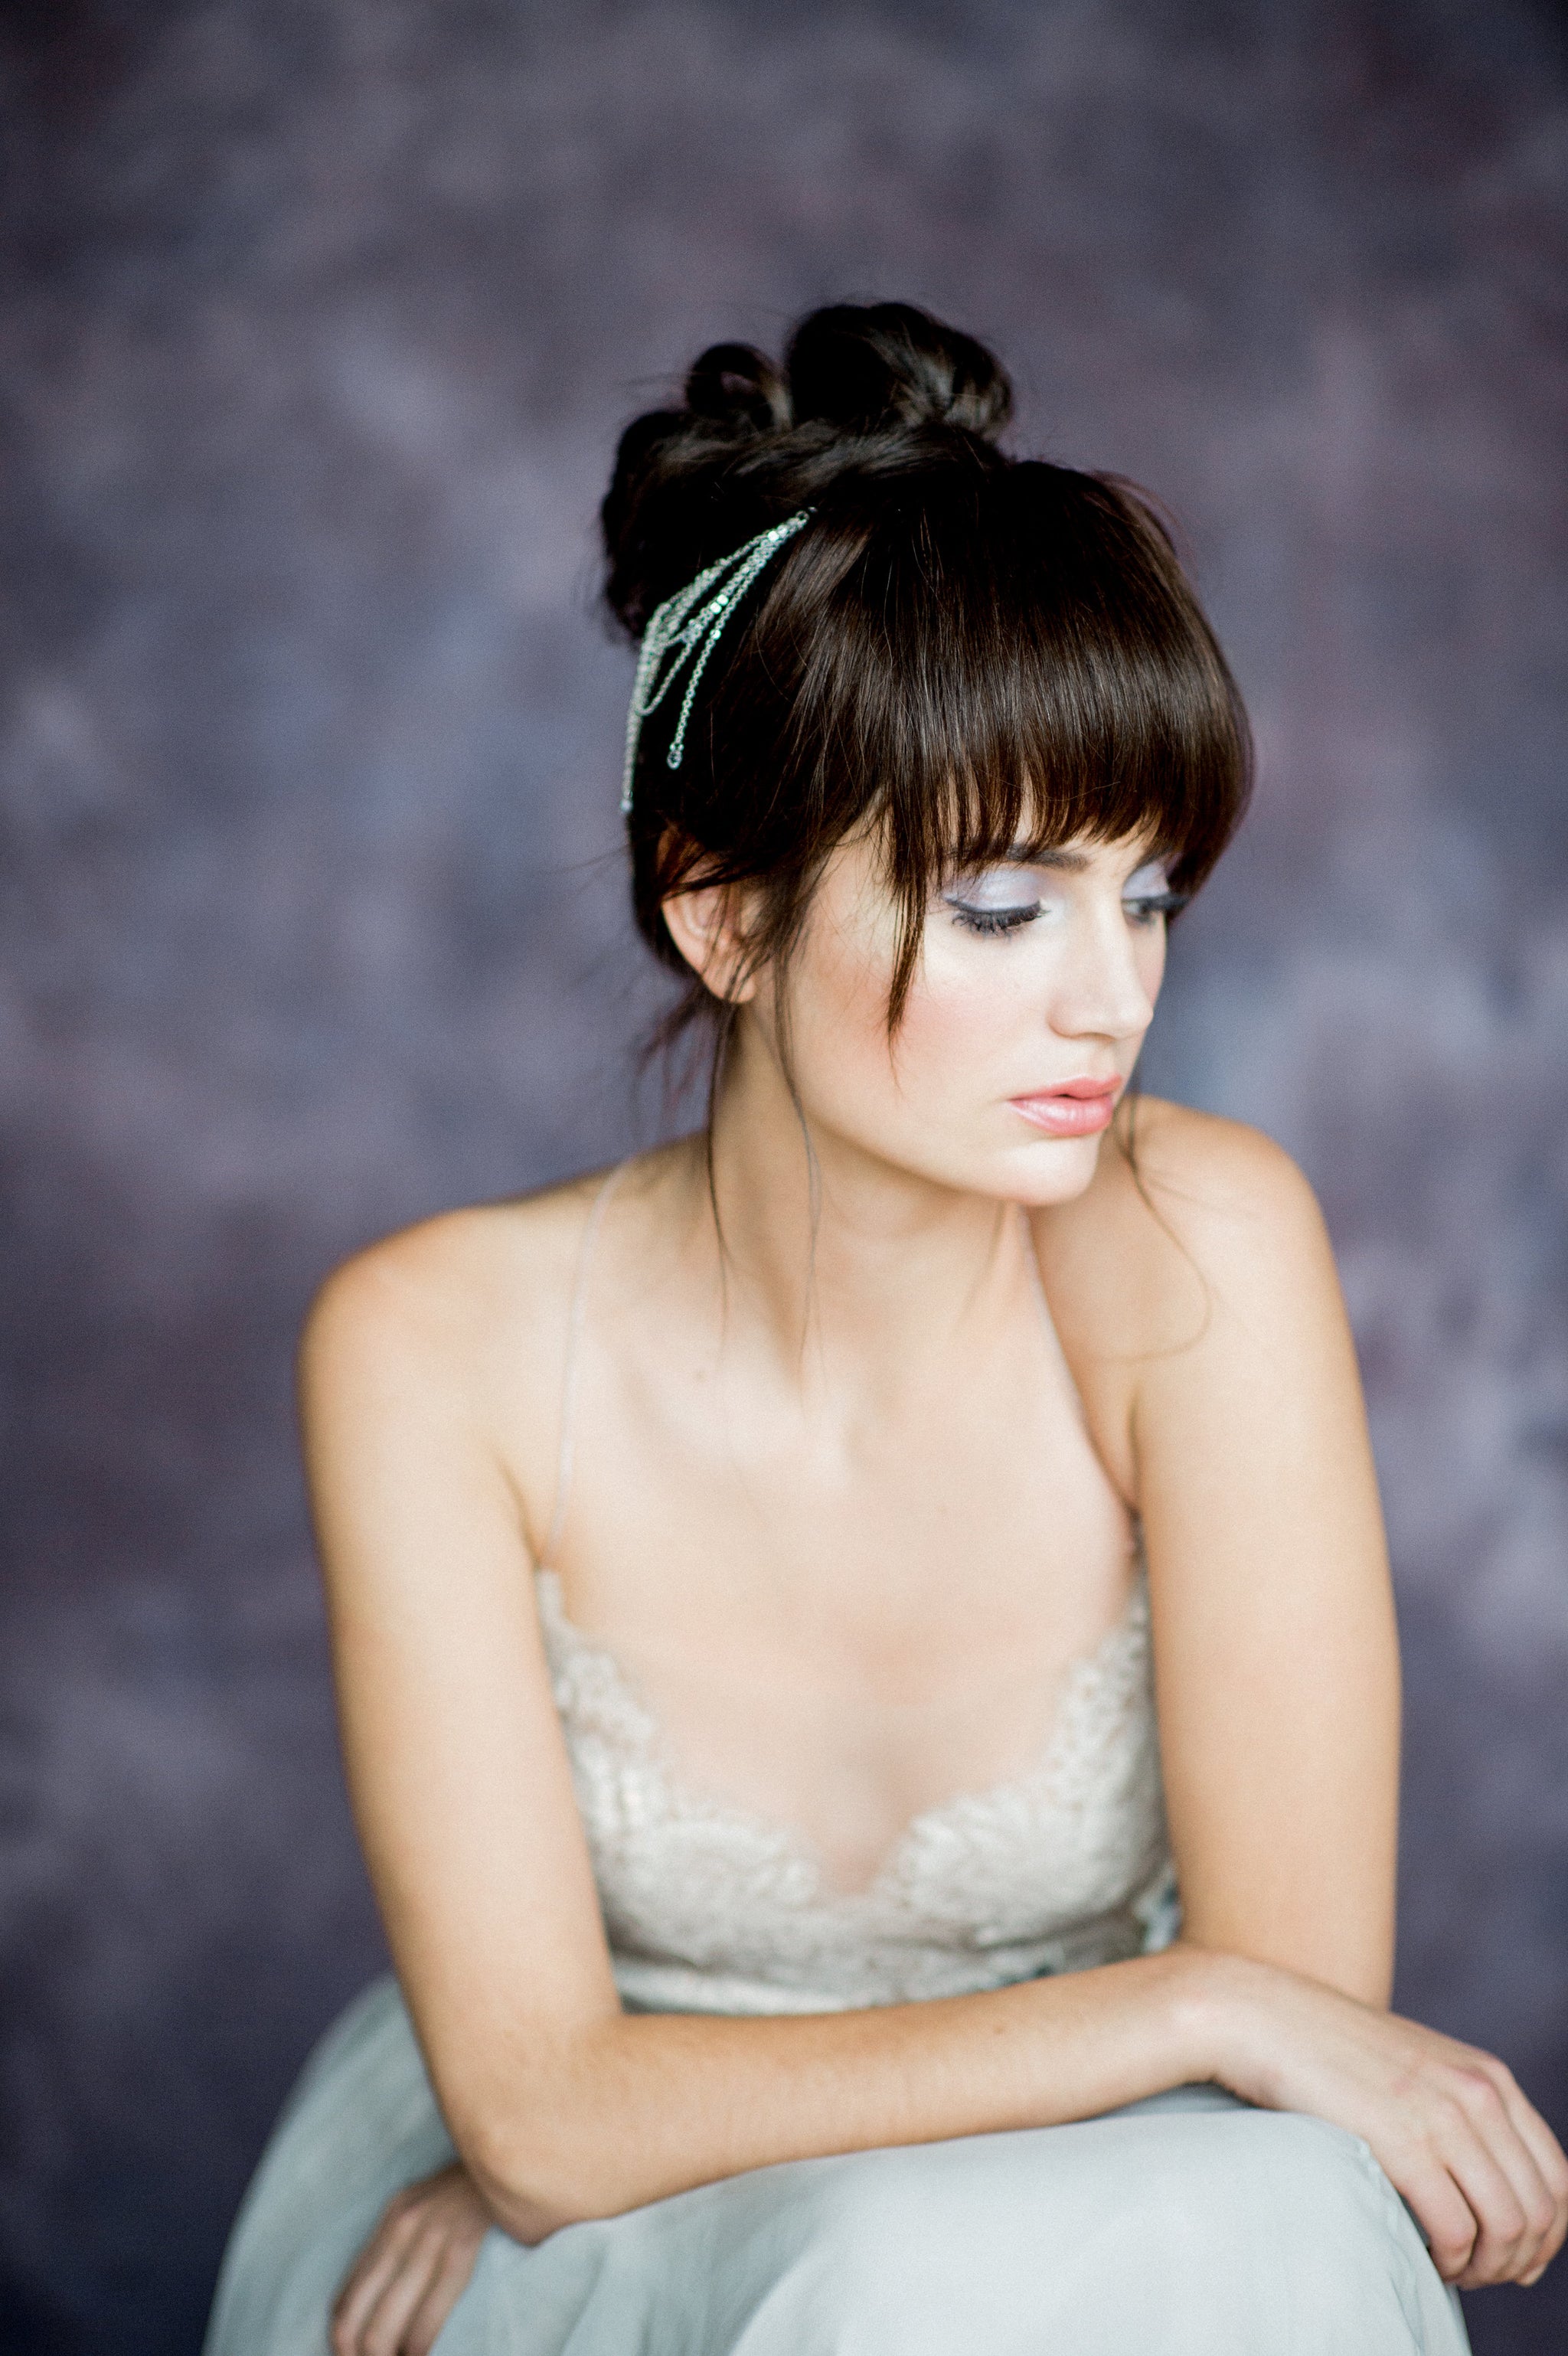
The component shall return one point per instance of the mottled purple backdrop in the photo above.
(321, 318)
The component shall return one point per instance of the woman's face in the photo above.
(1036, 984)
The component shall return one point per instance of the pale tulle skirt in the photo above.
(1191, 2225)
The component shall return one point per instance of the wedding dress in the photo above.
(1188, 2226)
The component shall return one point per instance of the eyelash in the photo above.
(993, 921)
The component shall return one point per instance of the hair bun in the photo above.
(737, 384)
(870, 365)
(866, 389)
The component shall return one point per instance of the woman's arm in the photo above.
(1277, 1655)
(561, 2106)
(1201, 1304)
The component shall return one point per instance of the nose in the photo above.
(1103, 989)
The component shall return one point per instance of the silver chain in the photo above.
(687, 624)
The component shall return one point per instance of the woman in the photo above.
(752, 1575)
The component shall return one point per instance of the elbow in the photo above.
(533, 2197)
(529, 2210)
(542, 2165)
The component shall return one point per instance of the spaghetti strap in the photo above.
(569, 1369)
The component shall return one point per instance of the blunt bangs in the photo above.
(1012, 661)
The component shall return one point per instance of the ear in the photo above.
(706, 925)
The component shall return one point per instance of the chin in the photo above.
(1055, 1169)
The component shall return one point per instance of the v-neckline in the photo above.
(1081, 1678)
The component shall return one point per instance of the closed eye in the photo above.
(999, 898)
(992, 901)
(993, 920)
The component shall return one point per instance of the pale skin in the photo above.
(792, 1409)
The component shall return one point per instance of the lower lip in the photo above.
(1067, 1116)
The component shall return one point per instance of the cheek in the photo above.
(838, 1002)
(968, 1017)
(959, 1010)
(953, 1018)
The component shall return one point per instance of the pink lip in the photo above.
(1075, 1109)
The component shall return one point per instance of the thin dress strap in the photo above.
(569, 1369)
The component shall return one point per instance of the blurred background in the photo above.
(319, 320)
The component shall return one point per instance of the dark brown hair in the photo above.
(962, 649)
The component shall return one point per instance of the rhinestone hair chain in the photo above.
(687, 625)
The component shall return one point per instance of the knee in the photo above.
(1312, 2209)
(1261, 2172)
(1274, 2226)
(1321, 2176)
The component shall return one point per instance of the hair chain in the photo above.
(687, 625)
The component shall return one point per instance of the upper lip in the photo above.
(1087, 1086)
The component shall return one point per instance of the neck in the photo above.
(854, 1267)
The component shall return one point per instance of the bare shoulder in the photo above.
(473, 1302)
(1218, 1185)
(1189, 1216)
(1181, 1145)
(445, 1344)
(453, 1283)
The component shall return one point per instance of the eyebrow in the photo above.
(1030, 854)
(1069, 863)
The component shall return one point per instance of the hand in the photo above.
(413, 2269)
(1480, 2168)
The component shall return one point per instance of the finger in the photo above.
(1441, 2212)
(1545, 2208)
(383, 2331)
(1498, 2212)
(1552, 2163)
(452, 2279)
(1485, 2101)
(372, 2271)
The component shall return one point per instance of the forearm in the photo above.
(638, 2107)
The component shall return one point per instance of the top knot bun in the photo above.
(880, 364)
(866, 390)
(734, 384)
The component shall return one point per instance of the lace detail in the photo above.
(710, 1908)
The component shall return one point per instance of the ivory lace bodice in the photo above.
(709, 1907)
